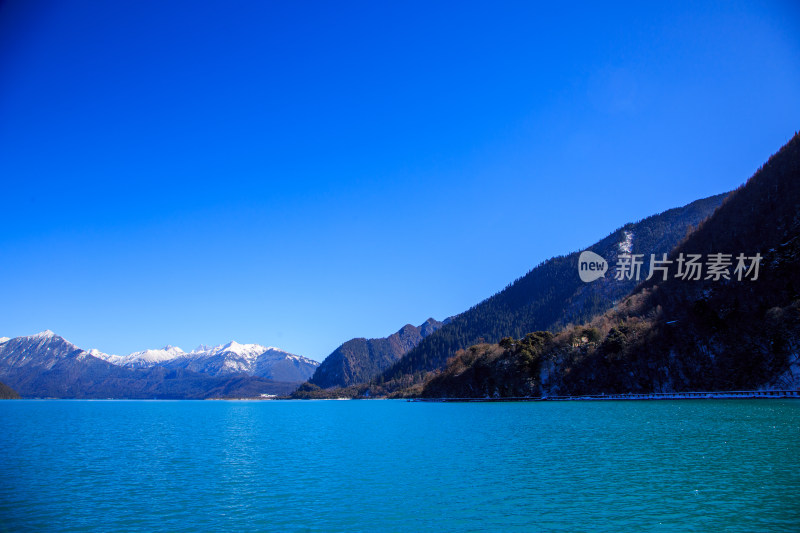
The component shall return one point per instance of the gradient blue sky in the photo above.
(300, 173)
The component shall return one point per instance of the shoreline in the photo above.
(693, 395)
(706, 395)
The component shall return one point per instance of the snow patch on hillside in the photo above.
(626, 246)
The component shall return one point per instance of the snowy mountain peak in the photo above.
(147, 358)
(114, 359)
(244, 350)
(4, 339)
(42, 350)
(172, 349)
(206, 348)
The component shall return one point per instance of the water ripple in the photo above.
(397, 466)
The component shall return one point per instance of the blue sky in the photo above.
(300, 173)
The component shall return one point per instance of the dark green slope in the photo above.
(674, 335)
(550, 296)
(359, 360)
(7, 393)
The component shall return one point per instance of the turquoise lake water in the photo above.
(708, 465)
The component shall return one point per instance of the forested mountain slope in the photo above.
(7, 393)
(718, 332)
(551, 295)
(359, 360)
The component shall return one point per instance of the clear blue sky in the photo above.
(300, 173)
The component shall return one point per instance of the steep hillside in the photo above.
(677, 334)
(551, 295)
(359, 360)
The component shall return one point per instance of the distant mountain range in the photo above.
(359, 360)
(222, 360)
(46, 365)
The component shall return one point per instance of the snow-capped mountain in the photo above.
(222, 360)
(143, 359)
(251, 359)
(42, 350)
